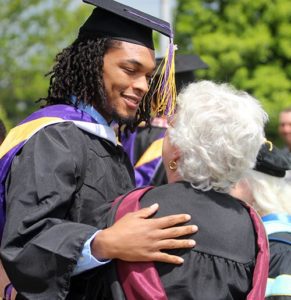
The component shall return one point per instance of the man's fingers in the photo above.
(163, 222)
(167, 258)
(173, 232)
(169, 221)
(147, 211)
(175, 244)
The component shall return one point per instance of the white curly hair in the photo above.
(271, 194)
(218, 131)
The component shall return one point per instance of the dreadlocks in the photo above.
(79, 72)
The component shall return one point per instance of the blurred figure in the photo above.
(3, 277)
(2, 132)
(144, 146)
(285, 128)
(266, 190)
(208, 146)
(285, 133)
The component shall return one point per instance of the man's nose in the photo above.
(141, 84)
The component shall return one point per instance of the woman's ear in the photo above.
(176, 154)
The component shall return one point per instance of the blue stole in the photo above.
(277, 223)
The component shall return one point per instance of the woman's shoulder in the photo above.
(182, 195)
(166, 195)
(225, 227)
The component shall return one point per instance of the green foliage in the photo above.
(4, 119)
(246, 43)
(32, 32)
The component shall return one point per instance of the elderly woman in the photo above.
(267, 190)
(212, 140)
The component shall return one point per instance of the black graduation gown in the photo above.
(59, 188)
(221, 265)
(280, 259)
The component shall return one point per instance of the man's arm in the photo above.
(142, 242)
(137, 238)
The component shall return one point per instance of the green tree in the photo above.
(32, 32)
(246, 43)
(4, 119)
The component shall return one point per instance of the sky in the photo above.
(151, 7)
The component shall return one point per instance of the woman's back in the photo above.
(221, 265)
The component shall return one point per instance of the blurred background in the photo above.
(244, 42)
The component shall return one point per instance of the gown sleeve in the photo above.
(40, 246)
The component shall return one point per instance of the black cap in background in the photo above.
(185, 64)
(272, 161)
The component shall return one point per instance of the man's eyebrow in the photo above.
(137, 63)
(134, 62)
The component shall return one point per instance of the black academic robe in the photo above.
(280, 261)
(59, 188)
(221, 265)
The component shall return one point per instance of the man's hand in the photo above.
(4, 280)
(136, 238)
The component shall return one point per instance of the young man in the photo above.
(67, 167)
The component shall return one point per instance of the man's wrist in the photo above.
(101, 246)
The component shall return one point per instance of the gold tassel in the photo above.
(165, 89)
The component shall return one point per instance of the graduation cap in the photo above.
(185, 64)
(272, 161)
(121, 22)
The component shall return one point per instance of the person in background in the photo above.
(2, 132)
(62, 167)
(3, 277)
(144, 146)
(208, 147)
(284, 128)
(4, 280)
(266, 190)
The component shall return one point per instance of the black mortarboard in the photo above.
(272, 161)
(185, 64)
(118, 21)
